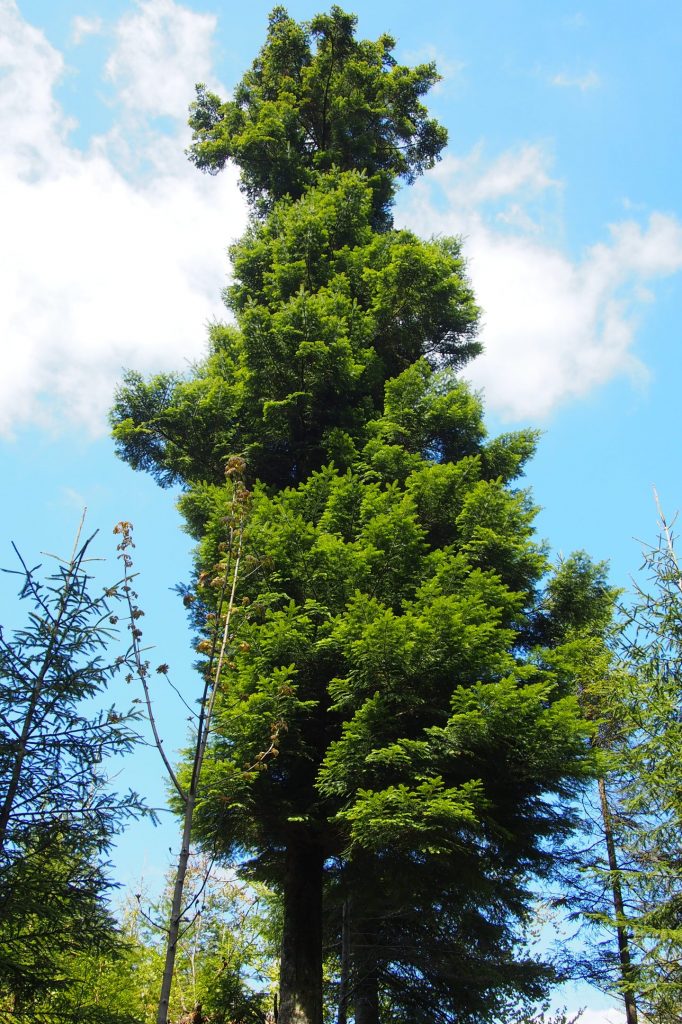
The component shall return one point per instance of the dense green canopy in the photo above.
(393, 645)
(396, 655)
(327, 310)
(317, 98)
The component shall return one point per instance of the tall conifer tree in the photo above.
(394, 641)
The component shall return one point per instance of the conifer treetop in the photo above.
(315, 98)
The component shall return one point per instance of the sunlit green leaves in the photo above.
(314, 99)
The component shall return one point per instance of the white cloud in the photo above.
(602, 1017)
(450, 70)
(651, 253)
(162, 50)
(525, 169)
(32, 124)
(98, 270)
(554, 328)
(82, 27)
(590, 80)
(115, 256)
(515, 215)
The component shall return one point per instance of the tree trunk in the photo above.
(618, 906)
(365, 975)
(344, 982)
(300, 978)
(175, 916)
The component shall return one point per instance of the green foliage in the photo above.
(327, 312)
(58, 814)
(226, 952)
(54, 922)
(645, 740)
(629, 688)
(442, 950)
(401, 696)
(317, 98)
(413, 709)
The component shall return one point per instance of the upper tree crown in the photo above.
(317, 98)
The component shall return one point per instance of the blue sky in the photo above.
(562, 174)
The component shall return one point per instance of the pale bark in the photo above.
(175, 914)
(624, 956)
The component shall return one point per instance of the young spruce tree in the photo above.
(395, 638)
(631, 892)
(58, 811)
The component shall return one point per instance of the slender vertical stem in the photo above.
(151, 717)
(619, 908)
(669, 542)
(205, 722)
(176, 913)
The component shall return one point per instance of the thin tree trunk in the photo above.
(300, 979)
(21, 748)
(619, 908)
(211, 685)
(175, 914)
(55, 639)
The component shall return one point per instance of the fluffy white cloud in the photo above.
(32, 125)
(553, 328)
(162, 50)
(98, 269)
(115, 255)
(522, 171)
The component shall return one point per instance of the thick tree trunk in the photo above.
(344, 983)
(300, 978)
(365, 974)
(619, 907)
